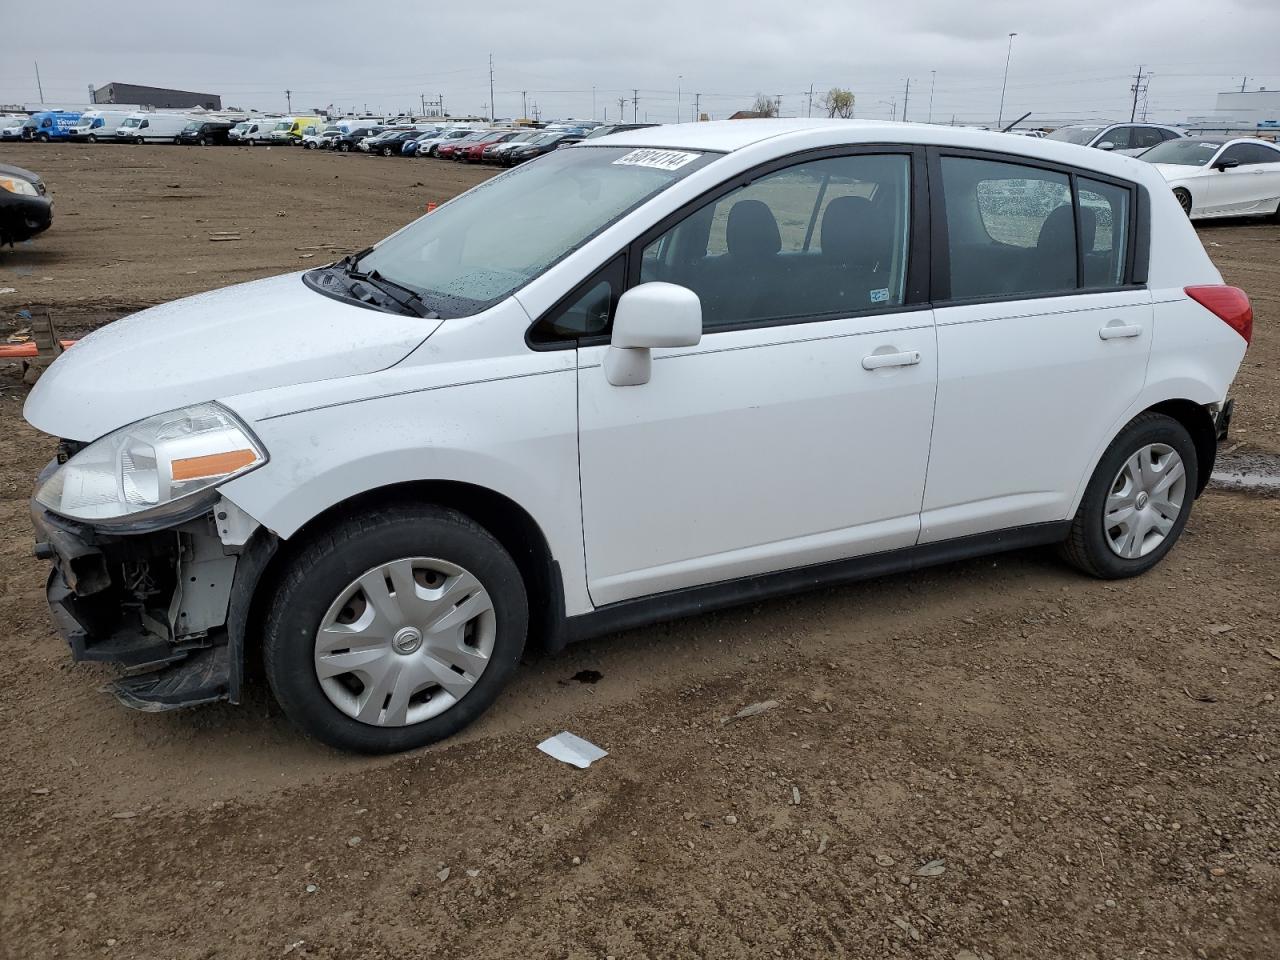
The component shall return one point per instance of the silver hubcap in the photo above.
(405, 641)
(1145, 501)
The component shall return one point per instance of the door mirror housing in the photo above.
(650, 315)
(1106, 145)
(1227, 163)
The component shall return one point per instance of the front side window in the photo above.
(486, 244)
(1145, 137)
(1010, 228)
(1120, 138)
(1250, 153)
(818, 238)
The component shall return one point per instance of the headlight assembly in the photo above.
(155, 471)
(18, 185)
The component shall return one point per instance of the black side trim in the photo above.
(691, 601)
(1140, 250)
(257, 553)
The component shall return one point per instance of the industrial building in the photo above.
(158, 97)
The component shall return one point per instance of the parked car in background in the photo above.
(247, 133)
(206, 133)
(1221, 176)
(493, 152)
(152, 127)
(25, 208)
(449, 150)
(388, 144)
(431, 146)
(50, 125)
(352, 139)
(322, 139)
(1038, 134)
(11, 126)
(607, 128)
(554, 427)
(95, 125)
(410, 147)
(1129, 139)
(473, 151)
(289, 130)
(537, 147)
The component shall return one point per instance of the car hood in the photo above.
(23, 174)
(254, 336)
(1176, 171)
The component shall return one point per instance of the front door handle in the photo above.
(878, 360)
(1116, 330)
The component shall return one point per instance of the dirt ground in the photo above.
(996, 758)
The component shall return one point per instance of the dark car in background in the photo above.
(351, 140)
(25, 209)
(607, 128)
(206, 132)
(389, 144)
(538, 146)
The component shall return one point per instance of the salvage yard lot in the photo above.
(1096, 764)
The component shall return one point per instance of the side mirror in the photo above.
(1227, 163)
(1106, 145)
(650, 315)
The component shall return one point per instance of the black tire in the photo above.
(326, 563)
(344, 147)
(1184, 199)
(386, 151)
(1086, 547)
(93, 138)
(139, 140)
(43, 138)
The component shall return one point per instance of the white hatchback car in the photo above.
(1221, 176)
(649, 375)
(1129, 139)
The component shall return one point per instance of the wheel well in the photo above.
(502, 517)
(1203, 434)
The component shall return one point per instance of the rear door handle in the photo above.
(878, 360)
(1116, 330)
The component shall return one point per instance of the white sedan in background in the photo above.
(1221, 176)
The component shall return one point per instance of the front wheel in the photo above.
(1138, 500)
(43, 138)
(394, 629)
(93, 138)
(344, 148)
(1184, 199)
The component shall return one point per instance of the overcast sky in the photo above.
(1070, 60)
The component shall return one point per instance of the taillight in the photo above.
(1229, 304)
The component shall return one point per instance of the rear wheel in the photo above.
(395, 629)
(1138, 500)
(1184, 199)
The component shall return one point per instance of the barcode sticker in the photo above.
(660, 159)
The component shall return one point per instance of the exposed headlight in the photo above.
(18, 185)
(155, 470)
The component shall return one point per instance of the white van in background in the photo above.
(152, 127)
(96, 125)
(248, 132)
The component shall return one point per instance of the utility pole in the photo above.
(810, 100)
(1243, 81)
(906, 98)
(933, 82)
(1137, 89)
(679, 81)
(39, 85)
(593, 101)
(491, 112)
(777, 104)
(422, 97)
(1007, 57)
(697, 107)
(622, 109)
(524, 104)
(635, 105)
(288, 101)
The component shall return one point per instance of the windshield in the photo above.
(482, 247)
(1187, 152)
(241, 126)
(283, 125)
(1082, 135)
(191, 127)
(132, 122)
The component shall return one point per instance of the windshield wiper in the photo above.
(399, 294)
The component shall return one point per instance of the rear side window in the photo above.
(1016, 230)
(1011, 229)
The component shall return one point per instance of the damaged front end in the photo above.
(169, 606)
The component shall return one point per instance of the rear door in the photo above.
(1251, 187)
(797, 431)
(1042, 340)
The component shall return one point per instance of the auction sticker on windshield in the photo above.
(661, 159)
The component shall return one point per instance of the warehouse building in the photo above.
(158, 97)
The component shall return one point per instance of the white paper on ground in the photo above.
(572, 749)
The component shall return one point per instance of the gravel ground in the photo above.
(996, 758)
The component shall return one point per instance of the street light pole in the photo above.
(1007, 57)
(679, 81)
(933, 82)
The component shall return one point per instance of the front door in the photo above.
(1043, 344)
(1251, 187)
(797, 431)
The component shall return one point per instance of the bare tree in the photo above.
(837, 103)
(765, 106)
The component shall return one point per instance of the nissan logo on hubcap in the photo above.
(407, 639)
